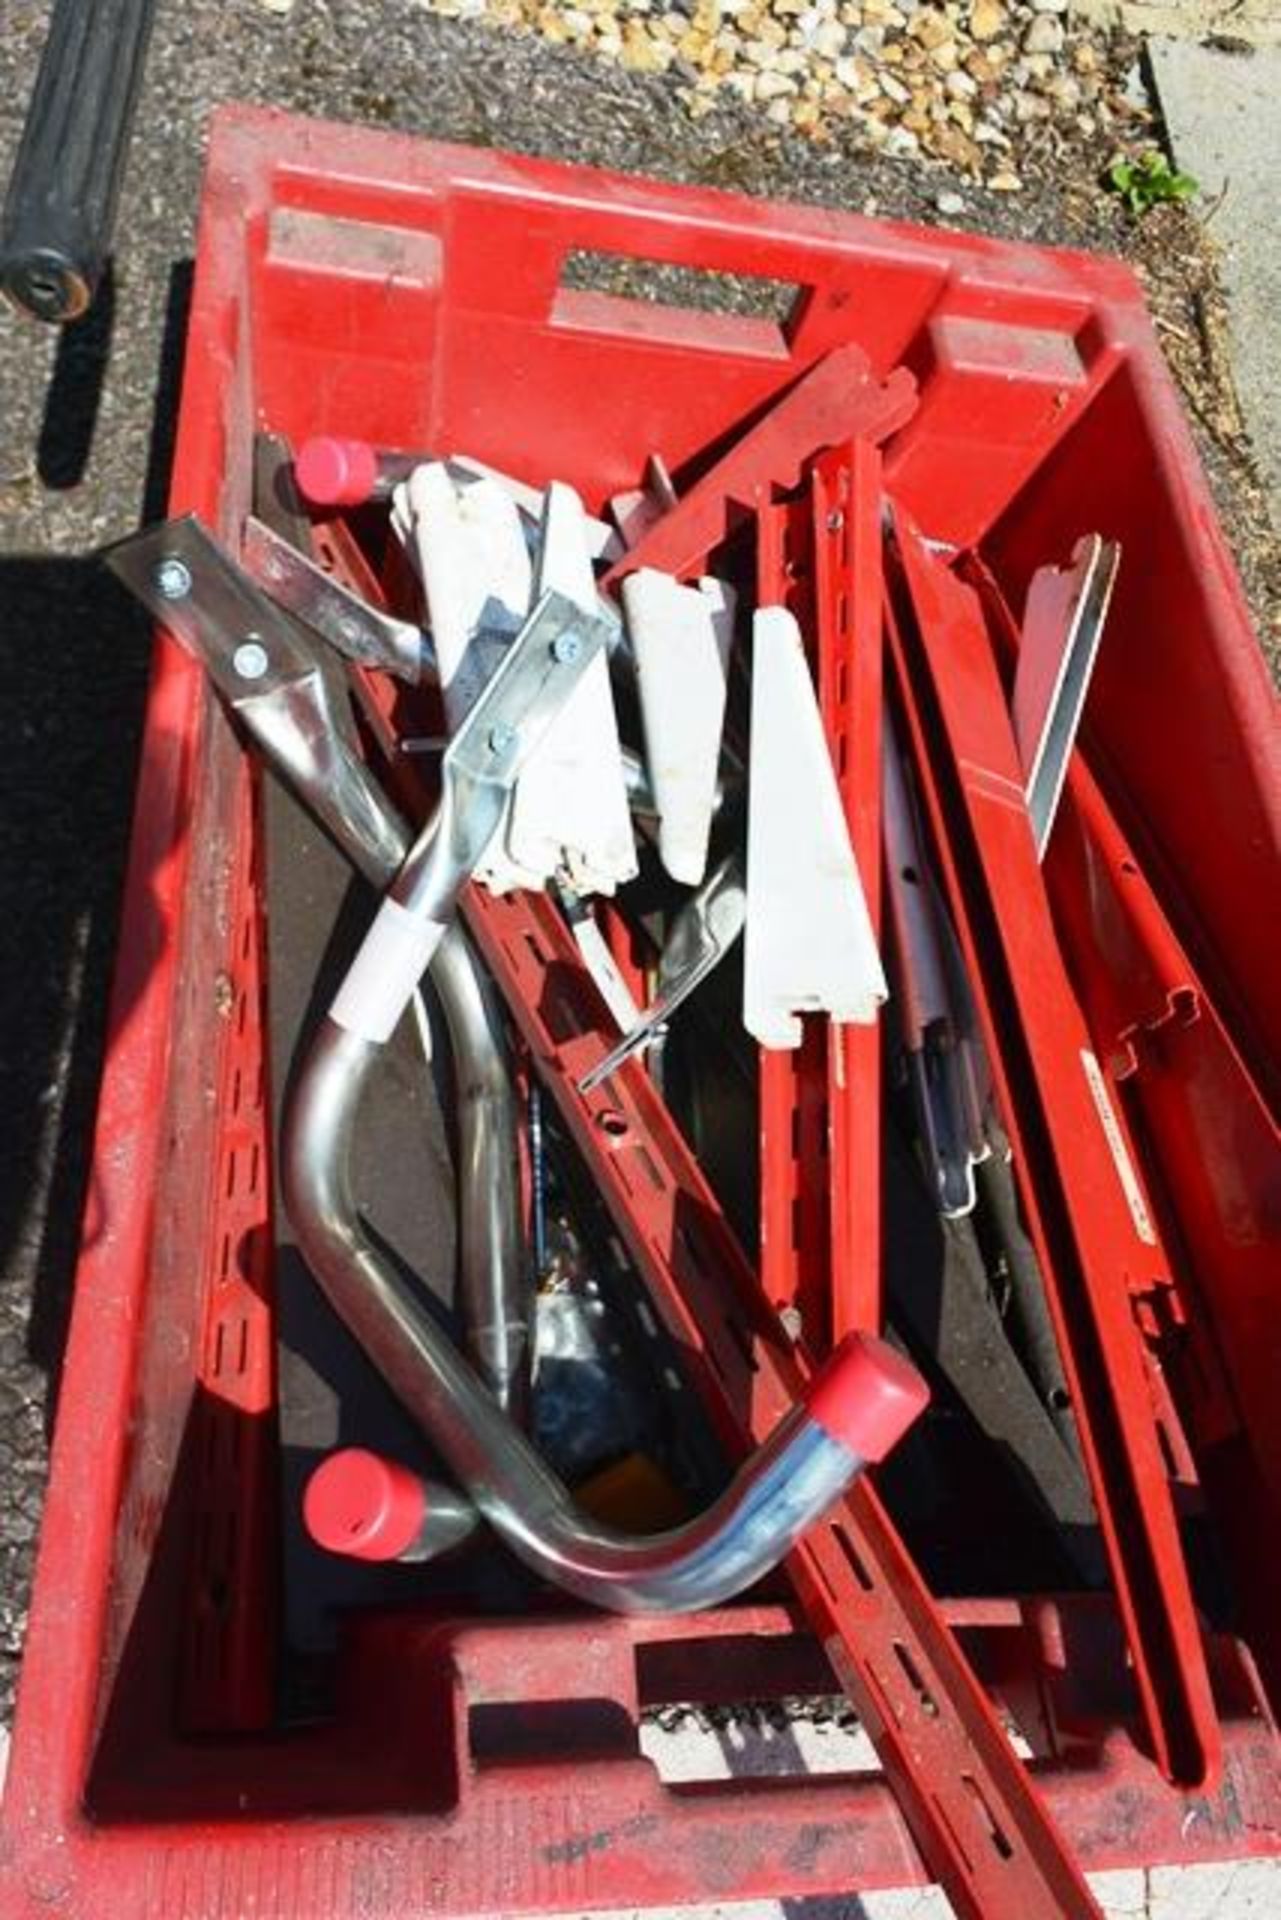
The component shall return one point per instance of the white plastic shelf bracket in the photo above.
(680, 641)
(809, 941)
(570, 810)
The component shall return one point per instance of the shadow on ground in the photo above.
(73, 644)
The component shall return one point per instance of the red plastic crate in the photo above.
(362, 283)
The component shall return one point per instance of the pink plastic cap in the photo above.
(336, 473)
(359, 1504)
(867, 1396)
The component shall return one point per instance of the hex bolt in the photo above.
(173, 579)
(502, 738)
(566, 648)
(250, 659)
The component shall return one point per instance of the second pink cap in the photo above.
(359, 1504)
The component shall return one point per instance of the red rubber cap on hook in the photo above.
(866, 1396)
(366, 1507)
(336, 473)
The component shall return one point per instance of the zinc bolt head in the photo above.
(250, 659)
(566, 648)
(502, 738)
(173, 579)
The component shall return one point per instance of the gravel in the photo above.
(89, 414)
(953, 80)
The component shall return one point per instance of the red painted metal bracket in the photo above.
(1095, 1235)
(834, 400)
(796, 1265)
(845, 501)
(820, 555)
(1203, 1131)
(227, 1663)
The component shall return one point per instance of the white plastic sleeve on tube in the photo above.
(380, 982)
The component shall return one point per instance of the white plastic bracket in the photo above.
(681, 640)
(570, 807)
(477, 583)
(475, 572)
(603, 542)
(809, 945)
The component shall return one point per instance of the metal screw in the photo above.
(173, 579)
(250, 659)
(835, 521)
(566, 648)
(502, 738)
(349, 628)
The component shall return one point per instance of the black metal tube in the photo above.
(55, 236)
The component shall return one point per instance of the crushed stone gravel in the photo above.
(953, 80)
